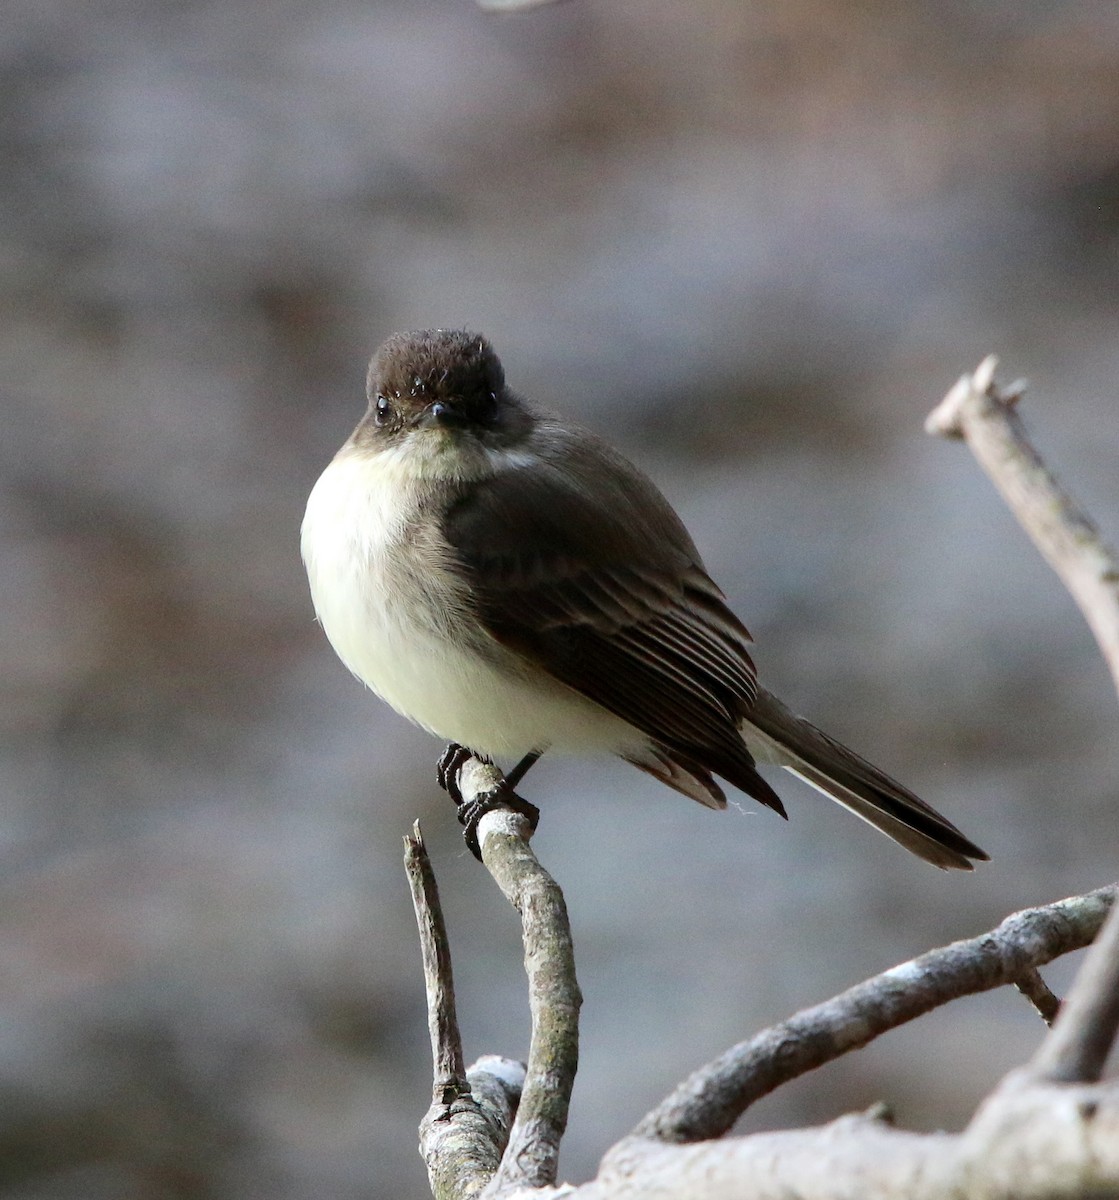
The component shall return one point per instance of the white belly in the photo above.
(410, 655)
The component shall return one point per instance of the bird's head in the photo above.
(434, 379)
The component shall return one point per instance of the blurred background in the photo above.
(753, 244)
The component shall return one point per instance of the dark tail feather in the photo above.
(685, 773)
(774, 734)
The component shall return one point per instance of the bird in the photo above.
(506, 580)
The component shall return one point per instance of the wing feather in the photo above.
(613, 600)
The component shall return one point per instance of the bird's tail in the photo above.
(774, 734)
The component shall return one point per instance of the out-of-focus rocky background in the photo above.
(752, 243)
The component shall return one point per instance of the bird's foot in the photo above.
(501, 797)
(451, 762)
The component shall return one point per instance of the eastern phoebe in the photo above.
(508, 581)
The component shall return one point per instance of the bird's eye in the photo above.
(383, 410)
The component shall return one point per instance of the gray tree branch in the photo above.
(446, 1041)
(1067, 537)
(1029, 1141)
(987, 419)
(531, 1158)
(1084, 1032)
(466, 1129)
(499, 1130)
(709, 1102)
(1030, 1138)
(1038, 993)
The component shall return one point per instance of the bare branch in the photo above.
(465, 1130)
(449, 1082)
(1077, 1049)
(1038, 993)
(987, 419)
(1068, 539)
(1030, 1141)
(524, 1113)
(461, 1143)
(554, 999)
(708, 1103)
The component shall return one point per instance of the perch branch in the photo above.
(708, 1103)
(531, 1158)
(976, 411)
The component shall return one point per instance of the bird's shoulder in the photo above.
(565, 502)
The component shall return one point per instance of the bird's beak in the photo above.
(443, 413)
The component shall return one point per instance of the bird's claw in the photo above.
(502, 796)
(451, 762)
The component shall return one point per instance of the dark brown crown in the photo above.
(413, 369)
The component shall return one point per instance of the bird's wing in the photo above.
(610, 597)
